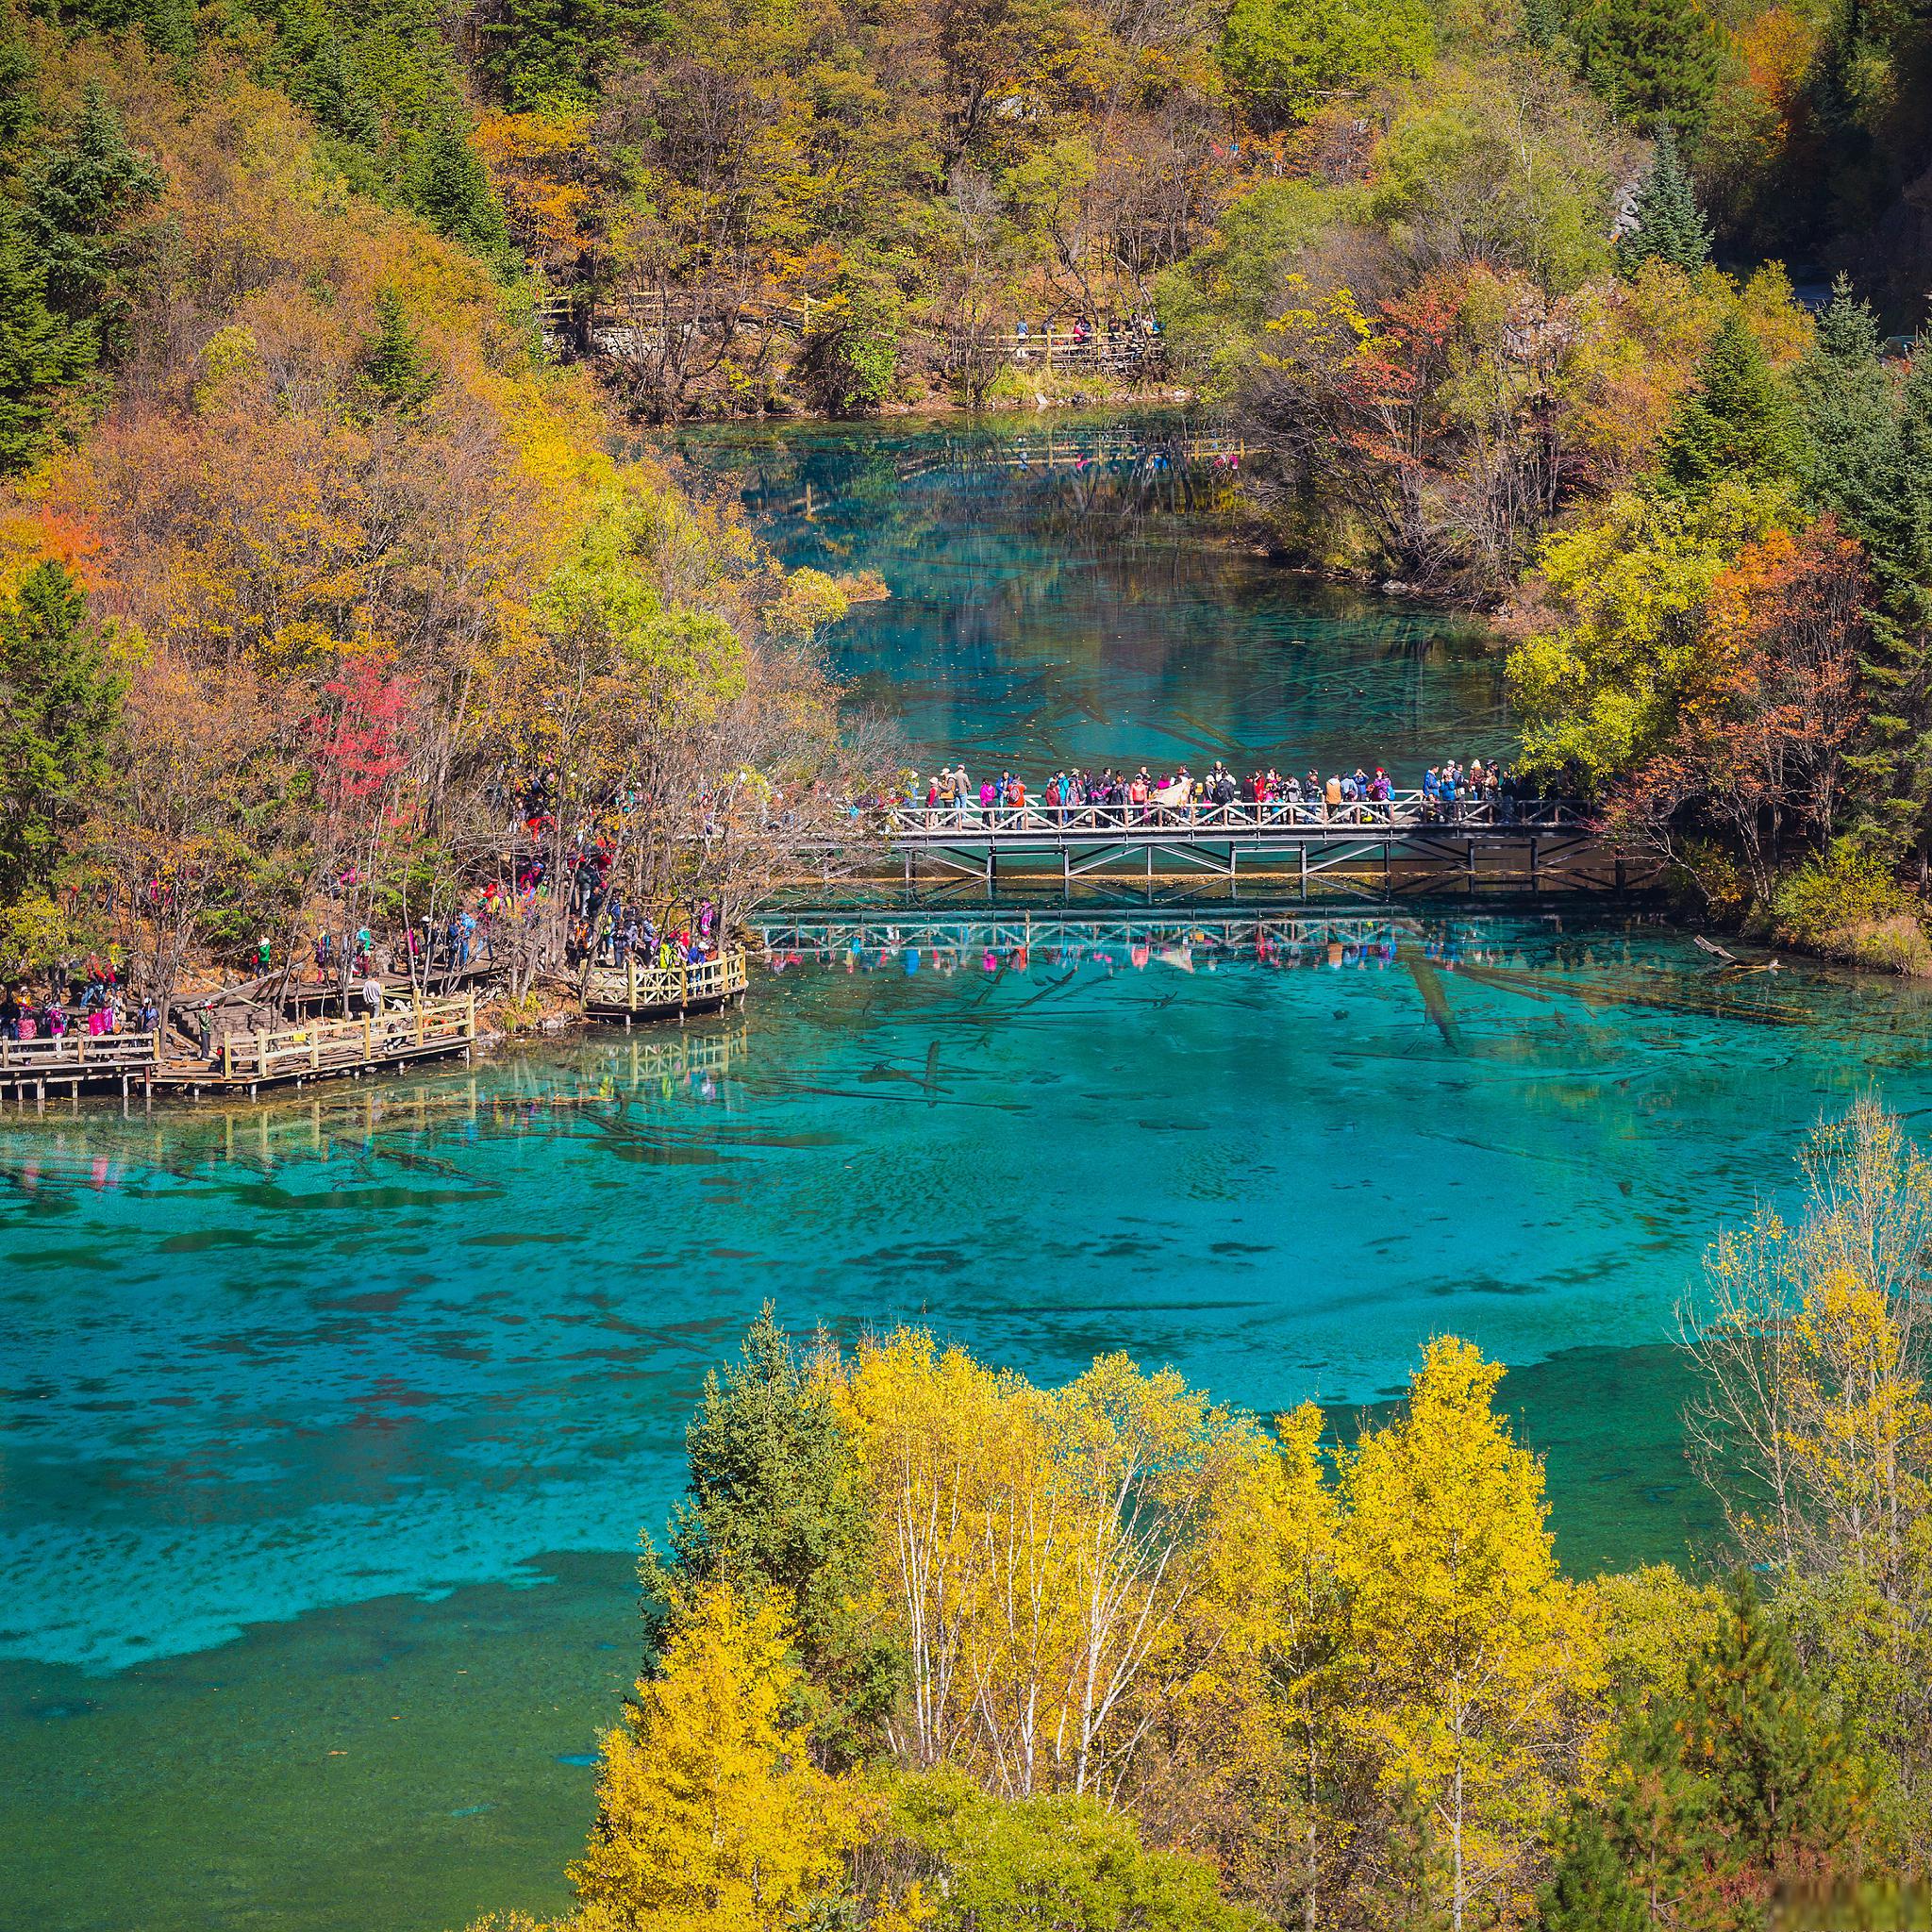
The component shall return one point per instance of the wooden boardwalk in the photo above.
(663, 992)
(77, 1062)
(328, 1049)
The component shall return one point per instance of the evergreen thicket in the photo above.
(1666, 223)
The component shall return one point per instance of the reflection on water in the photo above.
(399, 1339)
(1049, 605)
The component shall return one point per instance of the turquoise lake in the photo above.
(331, 1424)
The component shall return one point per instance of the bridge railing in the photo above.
(1400, 811)
(321, 1046)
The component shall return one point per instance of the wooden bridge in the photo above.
(1405, 847)
(634, 991)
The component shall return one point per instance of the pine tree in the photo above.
(1748, 1782)
(775, 1503)
(60, 700)
(452, 190)
(542, 54)
(1590, 1891)
(1667, 222)
(1787, 1789)
(1656, 62)
(1896, 765)
(392, 357)
(77, 199)
(1736, 422)
(1847, 404)
(39, 353)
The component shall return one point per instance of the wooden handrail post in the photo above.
(470, 1023)
(227, 1056)
(368, 1035)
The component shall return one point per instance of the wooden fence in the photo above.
(632, 989)
(318, 1048)
(76, 1059)
(1126, 342)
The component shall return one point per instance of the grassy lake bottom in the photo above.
(331, 1424)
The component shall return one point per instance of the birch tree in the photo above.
(1475, 1660)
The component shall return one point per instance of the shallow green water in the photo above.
(329, 1425)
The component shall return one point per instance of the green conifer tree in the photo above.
(543, 54)
(40, 353)
(1847, 404)
(775, 1502)
(1720, 1798)
(79, 200)
(1896, 764)
(1736, 422)
(19, 109)
(1667, 222)
(392, 358)
(60, 700)
(1655, 62)
(452, 191)
(1787, 1789)
(1590, 1891)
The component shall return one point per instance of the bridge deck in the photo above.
(1406, 817)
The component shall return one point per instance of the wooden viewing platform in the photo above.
(76, 1061)
(322, 1049)
(1404, 845)
(632, 992)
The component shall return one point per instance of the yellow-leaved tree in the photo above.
(711, 1816)
(1473, 1662)
(1069, 1572)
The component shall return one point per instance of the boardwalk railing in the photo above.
(1403, 811)
(635, 989)
(75, 1055)
(334, 1046)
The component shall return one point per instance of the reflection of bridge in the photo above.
(835, 935)
(1402, 846)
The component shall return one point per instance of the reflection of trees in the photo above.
(1042, 613)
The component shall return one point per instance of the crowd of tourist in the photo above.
(1449, 791)
(90, 999)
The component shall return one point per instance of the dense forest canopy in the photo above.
(1502, 294)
